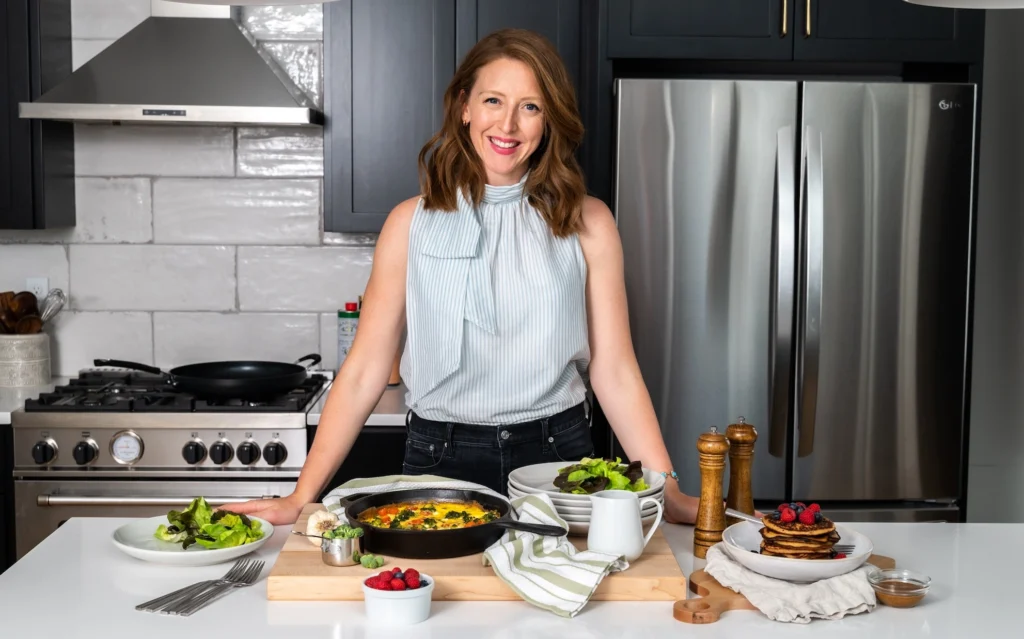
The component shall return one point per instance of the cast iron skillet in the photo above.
(436, 544)
(240, 379)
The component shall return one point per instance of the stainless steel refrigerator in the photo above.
(798, 254)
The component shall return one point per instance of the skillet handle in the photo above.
(313, 358)
(119, 363)
(536, 529)
(344, 502)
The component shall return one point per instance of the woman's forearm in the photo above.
(348, 405)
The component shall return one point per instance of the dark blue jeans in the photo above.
(487, 454)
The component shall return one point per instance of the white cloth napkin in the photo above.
(548, 572)
(832, 598)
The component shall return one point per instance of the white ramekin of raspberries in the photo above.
(397, 596)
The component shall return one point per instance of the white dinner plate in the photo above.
(582, 528)
(742, 541)
(584, 508)
(541, 477)
(136, 540)
(570, 499)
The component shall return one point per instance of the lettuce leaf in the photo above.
(593, 475)
(198, 524)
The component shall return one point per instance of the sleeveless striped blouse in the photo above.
(495, 312)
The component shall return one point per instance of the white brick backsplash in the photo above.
(109, 19)
(280, 152)
(79, 338)
(294, 22)
(21, 261)
(236, 211)
(329, 340)
(302, 61)
(109, 210)
(157, 278)
(185, 338)
(84, 50)
(101, 149)
(350, 239)
(301, 279)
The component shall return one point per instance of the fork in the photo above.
(197, 602)
(155, 605)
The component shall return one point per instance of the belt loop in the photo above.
(449, 443)
(545, 438)
(408, 419)
(588, 411)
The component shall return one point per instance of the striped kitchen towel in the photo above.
(548, 572)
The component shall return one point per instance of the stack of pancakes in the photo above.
(798, 541)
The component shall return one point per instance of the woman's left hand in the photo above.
(679, 507)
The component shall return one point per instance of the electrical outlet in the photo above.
(38, 286)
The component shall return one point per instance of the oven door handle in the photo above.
(79, 500)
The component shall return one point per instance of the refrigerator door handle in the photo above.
(781, 316)
(814, 198)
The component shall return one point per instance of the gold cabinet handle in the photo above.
(807, 12)
(785, 17)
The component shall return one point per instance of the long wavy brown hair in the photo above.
(555, 187)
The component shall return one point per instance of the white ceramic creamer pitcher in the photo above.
(615, 526)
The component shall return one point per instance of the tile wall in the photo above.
(196, 243)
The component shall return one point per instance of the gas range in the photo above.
(109, 422)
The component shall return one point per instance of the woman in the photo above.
(508, 279)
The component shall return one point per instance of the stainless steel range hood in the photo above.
(179, 71)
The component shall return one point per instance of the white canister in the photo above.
(24, 360)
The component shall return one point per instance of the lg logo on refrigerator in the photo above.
(946, 105)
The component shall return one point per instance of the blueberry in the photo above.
(817, 518)
(399, 575)
(792, 505)
(776, 514)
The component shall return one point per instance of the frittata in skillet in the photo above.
(428, 515)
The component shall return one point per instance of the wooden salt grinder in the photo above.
(712, 447)
(741, 455)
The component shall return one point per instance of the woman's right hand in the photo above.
(278, 511)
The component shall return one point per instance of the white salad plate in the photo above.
(136, 539)
(570, 508)
(742, 541)
(582, 528)
(539, 478)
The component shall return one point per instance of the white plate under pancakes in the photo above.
(743, 540)
(539, 478)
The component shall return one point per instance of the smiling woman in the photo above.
(508, 280)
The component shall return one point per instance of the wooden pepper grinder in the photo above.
(712, 447)
(741, 455)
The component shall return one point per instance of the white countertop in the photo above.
(389, 411)
(79, 574)
(13, 398)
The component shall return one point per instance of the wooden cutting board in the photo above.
(716, 598)
(300, 575)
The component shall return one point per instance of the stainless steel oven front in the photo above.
(42, 505)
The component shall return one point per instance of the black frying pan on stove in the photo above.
(230, 379)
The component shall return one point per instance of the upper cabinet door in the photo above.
(887, 31)
(387, 64)
(556, 20)
(707, 29)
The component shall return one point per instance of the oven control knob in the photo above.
(275, 453)
(194, 452)
(85, 452)
(248, 453)
(221, 452)
(44, 452)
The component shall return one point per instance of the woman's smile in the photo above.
(503, 146)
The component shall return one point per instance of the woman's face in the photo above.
(506, 119)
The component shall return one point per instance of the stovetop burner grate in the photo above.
(115, 391)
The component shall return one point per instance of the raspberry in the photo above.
(782, 507)
(397, 584)
(412, 572)
(814, 508)
(379, 584)
(807, 517)
(841, 555)
(396, 570)
(412, 582)
(801, 504)
(387, 575)
(787, 516)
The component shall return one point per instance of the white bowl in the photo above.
(136, 539)
(399, 607)
(742, 541)
(540, 478)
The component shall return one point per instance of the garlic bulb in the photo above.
(320, 522)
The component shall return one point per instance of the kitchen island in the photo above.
(77, 573)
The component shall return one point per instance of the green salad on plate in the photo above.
(199, 524)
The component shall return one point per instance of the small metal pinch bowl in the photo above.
(338, 552)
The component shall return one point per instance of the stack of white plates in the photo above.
(575, 509)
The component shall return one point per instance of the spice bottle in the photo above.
(348, 320)
(742, 437)
(712, 447)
